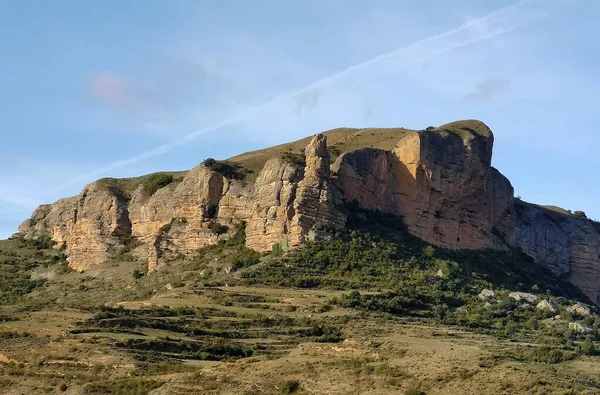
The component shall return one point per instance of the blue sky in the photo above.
(86, 87)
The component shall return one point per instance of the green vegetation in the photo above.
(116, 188)
(217, 228)
(18, 257)
(547, 355)
(289, 386)
(277, 250)
(295, 159)
(368, 305)
(414, 279)
(232, 251)
(156, 182)
(212, 334)
(123, 188)
(227, 169)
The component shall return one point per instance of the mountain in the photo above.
(363, 261)
(439, 181)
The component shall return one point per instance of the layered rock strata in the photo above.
(440, 180)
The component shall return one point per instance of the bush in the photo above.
(156, 182)
(547, 355)
(244, 257)
(429, 251)
(226, 169)
(43, 242)
(217, 229)
(277, 250)
(587, 347)
(298, 160)
(289, 386)
(139, 273)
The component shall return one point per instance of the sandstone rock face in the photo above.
(290, 202)
(83, 224)
(273, 204)
(317, 199)
(440, 180)
(569, 246)
(177, 217)
(284, 205)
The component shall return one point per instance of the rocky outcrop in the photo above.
(273, 204)
(567, 245)
(83, 225)
(290, 203)
(440, 180)
(178, 217)
(318, 201)
(547, 305)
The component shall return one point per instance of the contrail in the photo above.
(506, 19)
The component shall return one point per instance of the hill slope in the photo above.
(369, 309)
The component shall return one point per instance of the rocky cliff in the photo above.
(440, 180)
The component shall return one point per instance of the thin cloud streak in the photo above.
(504, 20)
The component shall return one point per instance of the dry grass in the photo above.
(377, 356)
(338, 140)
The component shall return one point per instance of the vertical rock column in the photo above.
(317, 199)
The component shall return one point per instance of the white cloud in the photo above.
(488, 89)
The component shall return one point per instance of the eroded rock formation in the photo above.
(440, 180)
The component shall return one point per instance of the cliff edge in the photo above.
(440, 180)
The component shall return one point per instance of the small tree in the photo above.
(429, 251)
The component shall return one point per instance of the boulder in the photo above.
(547, 305)
(523, 296)
(577, 327)
(579, 309)
(486, 294)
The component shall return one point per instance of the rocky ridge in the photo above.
(440, 180)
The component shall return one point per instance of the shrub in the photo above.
(43, 242)
(547, 355)
(289, 386)
(139, 273)
(277, 250)
(217, 229)
(244, 257)
(429, 251)
(226, 169)
(298, 160)
(156, 182)
(587, 347)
